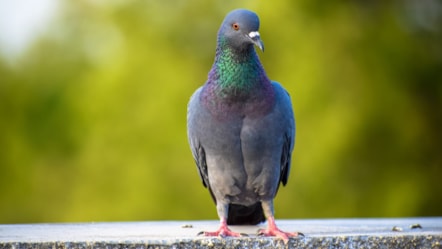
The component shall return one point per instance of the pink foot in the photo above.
(273, 230)
(223, 231)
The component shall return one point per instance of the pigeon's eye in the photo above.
(235, 26)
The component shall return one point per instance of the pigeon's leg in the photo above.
(223, 229)
(272, 229)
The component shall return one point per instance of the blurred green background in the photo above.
(93, 109)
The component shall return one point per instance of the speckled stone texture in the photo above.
(329, 233)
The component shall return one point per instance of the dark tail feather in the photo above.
(245, 215)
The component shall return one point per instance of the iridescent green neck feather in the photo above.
(236, 71)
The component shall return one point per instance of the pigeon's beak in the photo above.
(256, 39)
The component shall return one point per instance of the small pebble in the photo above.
(414, 226)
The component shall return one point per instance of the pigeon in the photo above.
(241, 130)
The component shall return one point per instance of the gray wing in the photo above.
(289, 136)
(198, 152)
(286, 158)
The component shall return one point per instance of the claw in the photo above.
(273, 230)
(223, 231)
(285, 236)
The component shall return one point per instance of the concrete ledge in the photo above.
(332, 233)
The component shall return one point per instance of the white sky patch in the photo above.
(21, 21)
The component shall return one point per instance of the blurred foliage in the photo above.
(93, 114)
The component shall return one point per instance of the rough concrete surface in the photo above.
(328, 233)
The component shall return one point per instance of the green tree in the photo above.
(93, 114)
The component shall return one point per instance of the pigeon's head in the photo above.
(239, 30)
